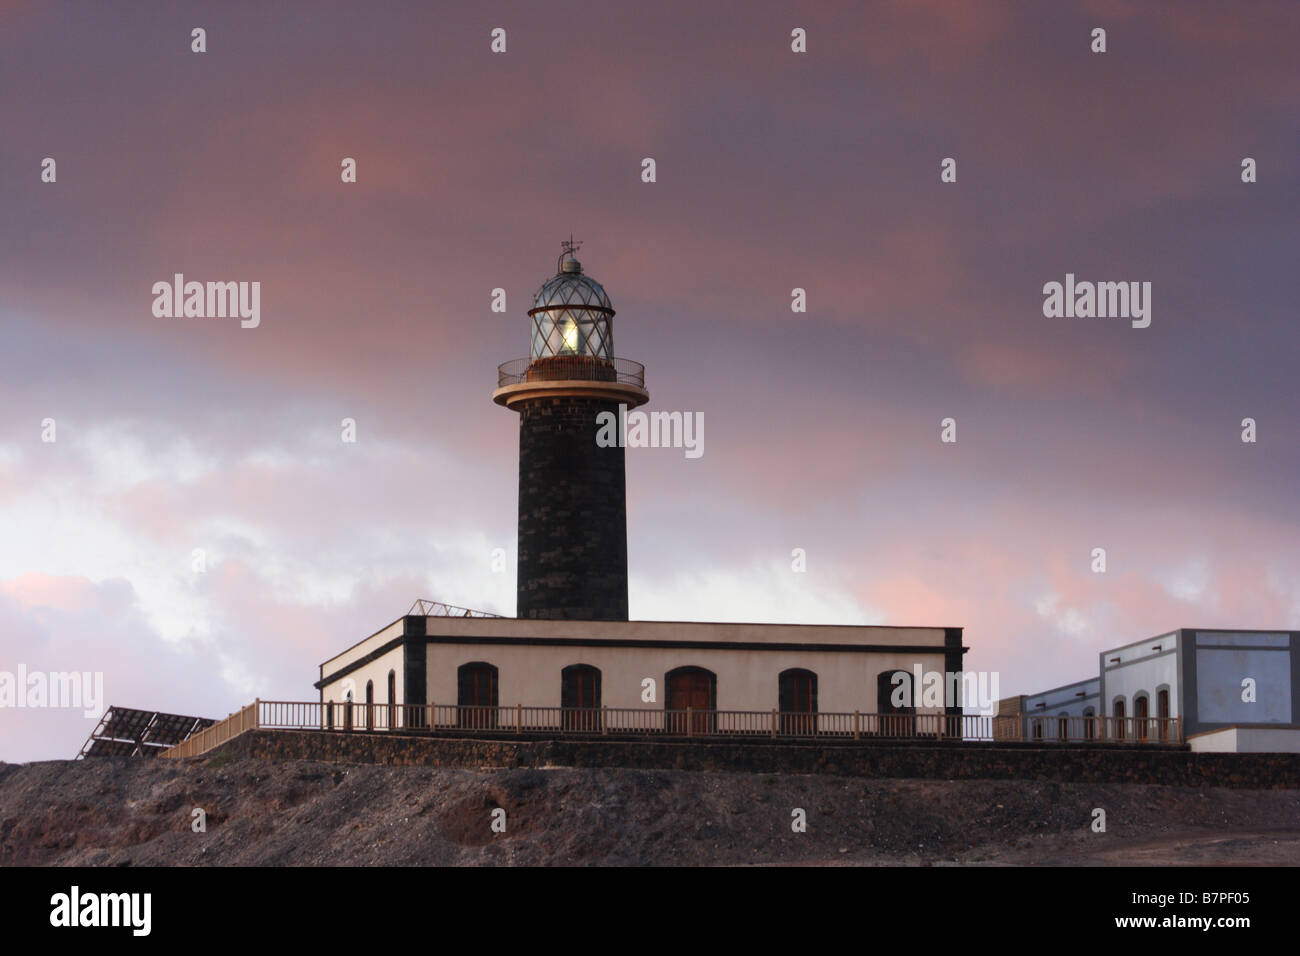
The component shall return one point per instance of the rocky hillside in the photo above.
(261, 812)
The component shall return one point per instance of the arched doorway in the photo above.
(694, 688)
(1162, 711)
(580, 697)
(797, 699)
(476, 695)
(392, 699)
(1118, 733)
(896, 719)
(370, 705)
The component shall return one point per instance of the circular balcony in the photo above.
(617, 380)
(576, 368)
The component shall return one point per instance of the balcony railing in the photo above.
(630, 721)
(584, 368)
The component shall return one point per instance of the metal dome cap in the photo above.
(569, 286)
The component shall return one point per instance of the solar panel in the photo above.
(127, 732)
(109, 748)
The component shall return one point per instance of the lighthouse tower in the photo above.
(572, 492)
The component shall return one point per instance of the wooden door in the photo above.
(476, 696)
(694, 688)
(797, 696)
(898, 720)
(580, 698)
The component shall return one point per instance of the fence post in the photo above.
(773, 721)
(689, 721)
(604, 719)
(857, 726)
(519, 718)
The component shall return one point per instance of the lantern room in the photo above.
(571, 315)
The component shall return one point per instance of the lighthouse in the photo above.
(572, 491)
(570, 659)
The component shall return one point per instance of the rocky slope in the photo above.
(114, 812)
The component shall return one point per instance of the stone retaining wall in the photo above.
(1172, 765)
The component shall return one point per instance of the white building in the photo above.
(492, 671)
(1236, 691)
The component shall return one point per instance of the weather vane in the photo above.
(568, 247)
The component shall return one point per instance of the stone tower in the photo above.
(572, 491)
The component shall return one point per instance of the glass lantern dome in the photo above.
(571, 315)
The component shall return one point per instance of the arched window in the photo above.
(694, 688)
(897, 719)
(1119, 718)
(1141, 713)
(370, 705)
(392, 699)
(580, 697)
(476, 695)
(1162, 711)
(797, 699)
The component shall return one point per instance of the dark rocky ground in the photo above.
(122, 812)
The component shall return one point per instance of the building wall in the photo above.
(1247, 740)
(530, 654)
(746, 679)
(1064, 700)
(1043, 721)
(1224, 659)
(1145, 667)
(363, 648)
(375, 670)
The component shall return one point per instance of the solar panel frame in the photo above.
(130, 732)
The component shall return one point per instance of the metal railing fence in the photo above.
(520, 719)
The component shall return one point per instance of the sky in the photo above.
(774, 170)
